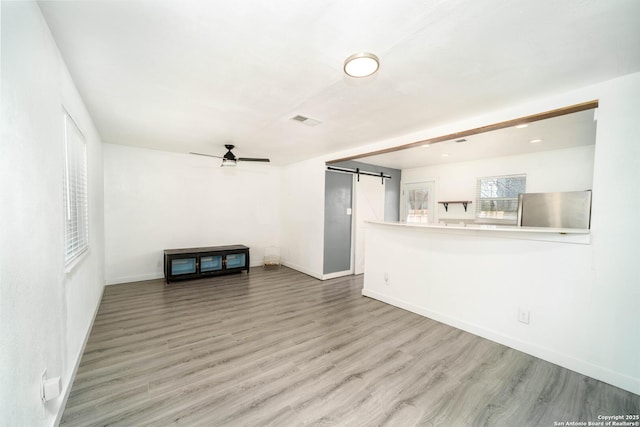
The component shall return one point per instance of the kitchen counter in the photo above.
(482, 279)
(567, 235)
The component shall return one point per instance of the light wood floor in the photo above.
(280, 348)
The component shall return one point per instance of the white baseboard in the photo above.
(136, 278)
(156, 275)
(302, 270)
(584, 367)
(153, 276)
(337, 274)
(67, 387)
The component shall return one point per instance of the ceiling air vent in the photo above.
(306, 120)
(461, 140)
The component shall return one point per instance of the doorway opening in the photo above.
(418, 203)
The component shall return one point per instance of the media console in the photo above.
(195, 263)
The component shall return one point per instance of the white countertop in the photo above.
(567, 235)
(490, 227)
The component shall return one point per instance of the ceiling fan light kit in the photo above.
(362, 64)
(230, 160)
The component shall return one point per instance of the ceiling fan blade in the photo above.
(252, 159)
(207, 155)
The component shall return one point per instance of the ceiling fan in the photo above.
(230, 159)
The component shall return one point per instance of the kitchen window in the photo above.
(497, 198)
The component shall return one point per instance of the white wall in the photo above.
(569, 169)
(583, 298)
(45, 313)
(303, 216)
(156, 200)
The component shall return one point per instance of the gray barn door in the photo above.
(338, 191)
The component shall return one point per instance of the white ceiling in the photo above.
(193, 75)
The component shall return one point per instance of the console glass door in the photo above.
(236, 261)
(183, 266)
(210, 263)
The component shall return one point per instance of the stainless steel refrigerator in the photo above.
(570, 209)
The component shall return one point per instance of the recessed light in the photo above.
(533, 141)
(524, 125)
(426, 145)
(361, 64)
(445, 155)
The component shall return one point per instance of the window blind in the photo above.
(497, 197)
(76, 200)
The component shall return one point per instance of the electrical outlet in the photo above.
(523, 316)
(49, 387)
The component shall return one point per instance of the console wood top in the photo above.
(205, 249)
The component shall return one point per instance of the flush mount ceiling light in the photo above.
(361, 64)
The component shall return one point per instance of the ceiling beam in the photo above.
(457, 135)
